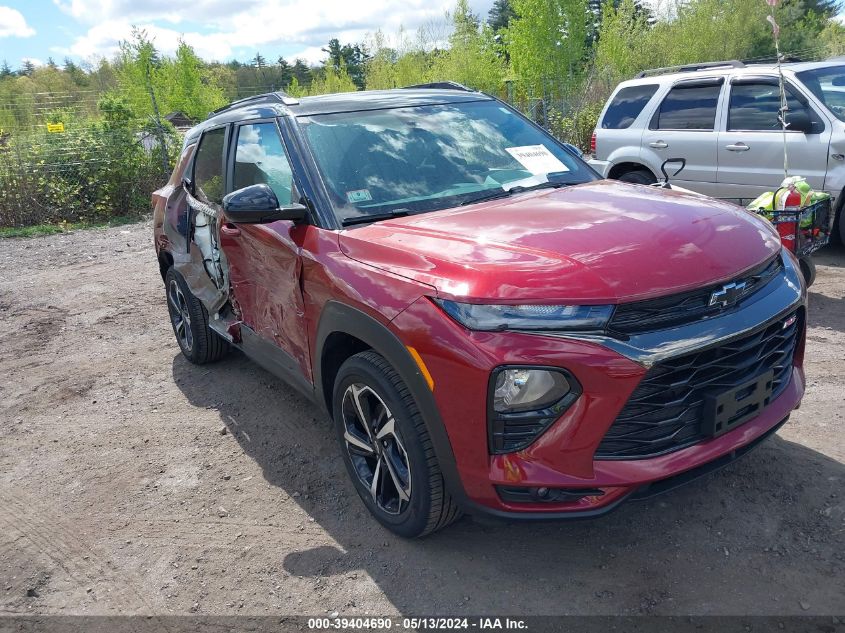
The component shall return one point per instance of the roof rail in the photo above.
(689, 68)
(440, 85)
(269, 97)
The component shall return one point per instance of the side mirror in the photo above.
(799, 121)
(569, 147)
(257, 204)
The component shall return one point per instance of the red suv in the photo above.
(492, 328)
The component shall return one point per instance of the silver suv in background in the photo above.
(722, 118)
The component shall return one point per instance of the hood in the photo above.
(600, 242)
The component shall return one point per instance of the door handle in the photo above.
(230, 229)
(738, 147)
(659, 144)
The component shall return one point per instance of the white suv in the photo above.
(722, 118)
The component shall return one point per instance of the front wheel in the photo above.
(387, 450)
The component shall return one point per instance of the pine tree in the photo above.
(285, 73)
(301, 72)
(500, 15)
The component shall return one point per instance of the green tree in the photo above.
(351, 56)
(546, 42)
(27, 68)
(472, 57)
(285, 73)
(186, 86)
(622, 42)
(500, 15)
(301, 72)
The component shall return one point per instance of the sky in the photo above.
(217, 29)
(86, 30)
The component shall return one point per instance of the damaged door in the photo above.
(264, 264)
(205, 271)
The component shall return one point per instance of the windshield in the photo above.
(417, 159)
(828, 84)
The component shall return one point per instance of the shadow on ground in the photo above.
(715, 546)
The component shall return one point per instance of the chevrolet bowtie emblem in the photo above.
(728, 294)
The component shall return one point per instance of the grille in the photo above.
(665, 412)
(687, 307)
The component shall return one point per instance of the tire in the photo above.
(189, 318)
(839, 220)
(409, 497)
(808, 269)
(639, 177)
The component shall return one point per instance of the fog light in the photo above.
(520, 389)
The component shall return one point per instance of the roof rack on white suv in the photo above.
(688, 68)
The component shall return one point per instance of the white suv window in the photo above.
(688, 107)
(626, 106)
(754, 107)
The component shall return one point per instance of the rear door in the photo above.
(684, 126)
(751, 146)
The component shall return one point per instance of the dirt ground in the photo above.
(121, 493)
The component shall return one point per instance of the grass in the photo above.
(38, 230)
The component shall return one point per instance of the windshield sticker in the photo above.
(359, 195)
(537, 159)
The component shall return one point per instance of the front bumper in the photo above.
(460, 362)
(601, 166)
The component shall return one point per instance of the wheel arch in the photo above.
(165, 261)
(622, 168)
(344, 331)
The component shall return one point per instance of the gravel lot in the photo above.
(134, 483)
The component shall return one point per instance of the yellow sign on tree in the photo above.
(56, 127)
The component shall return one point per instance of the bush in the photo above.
(94, 170)
(577, 126)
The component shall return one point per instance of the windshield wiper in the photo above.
(504, 193)
(375, 217)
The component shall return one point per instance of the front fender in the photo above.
(339, 317)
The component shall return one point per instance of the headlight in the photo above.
(477, 316)
(528, 389)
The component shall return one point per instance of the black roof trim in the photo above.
(439, 85)
(269, 97)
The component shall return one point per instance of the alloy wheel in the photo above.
(180, 316)
(376, 449)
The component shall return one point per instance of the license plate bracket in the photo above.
(727, 410)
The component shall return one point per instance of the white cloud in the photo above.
(32, 60)
(104, 40)
(215, 28)
(13, 24)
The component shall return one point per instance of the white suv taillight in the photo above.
(593, 144)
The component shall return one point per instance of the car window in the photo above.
(260, 158)
(755, 107)
(422, 158)
(626, 106)
(208, 167)
(688, 108)
(828, 85)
